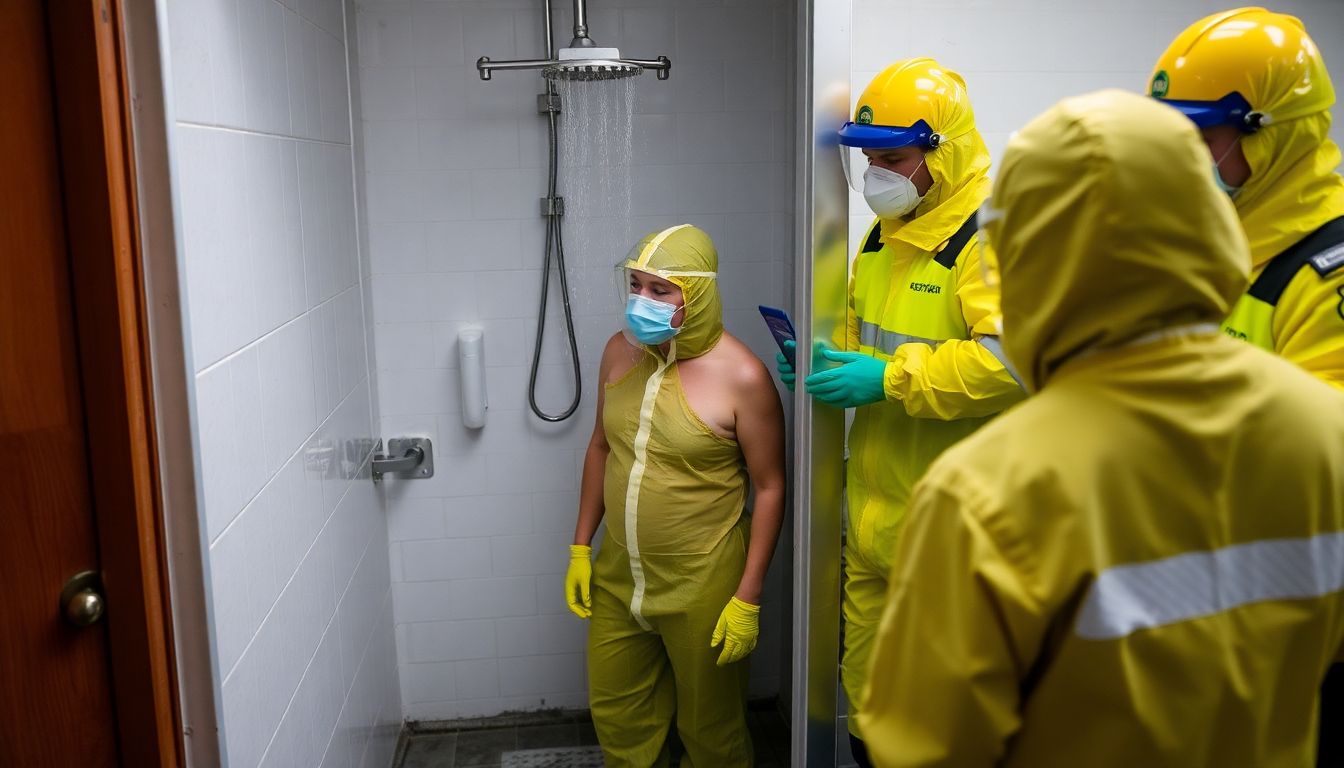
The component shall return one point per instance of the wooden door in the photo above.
(77, 489)
(50, 670)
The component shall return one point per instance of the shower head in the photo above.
(583, 60)
(590, 69)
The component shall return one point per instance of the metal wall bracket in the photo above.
(553, 206)
(408, 458)
(548, 103)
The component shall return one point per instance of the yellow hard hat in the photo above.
(1245, 67)
(912, 102)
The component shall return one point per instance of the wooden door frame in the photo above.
(93, 117)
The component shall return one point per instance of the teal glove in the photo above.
(858, 381)
(786, 373)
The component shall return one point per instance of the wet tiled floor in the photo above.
(482, 743)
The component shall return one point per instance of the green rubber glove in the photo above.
(858, 380)
(739, 626)
(579, 581)
(786, 373)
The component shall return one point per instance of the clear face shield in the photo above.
(855, 138)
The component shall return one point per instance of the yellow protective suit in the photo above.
(675, 545)
(1295, 306)
(1141, 565)
(928, 320)
(1294, 189)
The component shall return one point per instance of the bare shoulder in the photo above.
(741, 366)
(618, 357)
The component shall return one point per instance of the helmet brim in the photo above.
(1232, 109)
(866, 136)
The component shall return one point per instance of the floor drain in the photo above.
(566, 757)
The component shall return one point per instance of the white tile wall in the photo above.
(454, 168)
(298, 559)
(1022, 56)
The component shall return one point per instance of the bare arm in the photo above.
(760, 434)
(591, 507)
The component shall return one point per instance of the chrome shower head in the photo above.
(572, 70)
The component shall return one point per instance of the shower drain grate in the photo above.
(565, 757)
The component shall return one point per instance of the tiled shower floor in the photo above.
(487, 743)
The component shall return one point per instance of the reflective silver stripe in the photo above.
(1129, 598)
(886, 342)
(995, 347)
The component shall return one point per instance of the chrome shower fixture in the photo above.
(582, 60)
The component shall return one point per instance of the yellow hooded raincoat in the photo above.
(1141, 565)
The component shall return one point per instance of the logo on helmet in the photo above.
(865, 115)
(1160, 84)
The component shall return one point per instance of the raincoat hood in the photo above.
(685, 256)
(1111, 228)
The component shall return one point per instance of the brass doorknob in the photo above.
(82, 602)
(84, 608)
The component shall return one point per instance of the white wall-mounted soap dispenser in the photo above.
(471, 368)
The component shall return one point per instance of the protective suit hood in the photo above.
(685, 256)
(959, 165)
(1112, 228)
(1294, 187)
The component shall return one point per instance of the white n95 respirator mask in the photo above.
(890, 194)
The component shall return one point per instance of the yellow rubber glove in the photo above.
(579, 580)
(739, 626)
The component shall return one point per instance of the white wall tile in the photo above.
(384, 36)
(287, 393)
(481, 516)
(477, 678)
(451, 641)
(436, 35)
(265, 73)
(444, 559)
(190, 41)
(391, 145)
(423, 601)
(492, 598)
(428, 682)
(388, 93)
(529, 675)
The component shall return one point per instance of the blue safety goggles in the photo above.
(866, 136)
(1232, 109)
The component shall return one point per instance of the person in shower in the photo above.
(687, 419)
(922, 364)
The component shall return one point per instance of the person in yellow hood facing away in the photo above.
(687, 420)
(920, 363)
(1142, 564)
(1257, 87)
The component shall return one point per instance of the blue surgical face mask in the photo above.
(650, 321)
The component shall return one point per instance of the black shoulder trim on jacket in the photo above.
(948, 256)
(1322, 249)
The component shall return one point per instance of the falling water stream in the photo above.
(595, 157)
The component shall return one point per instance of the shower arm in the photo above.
(485, 67)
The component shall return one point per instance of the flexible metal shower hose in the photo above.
(555, 243)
